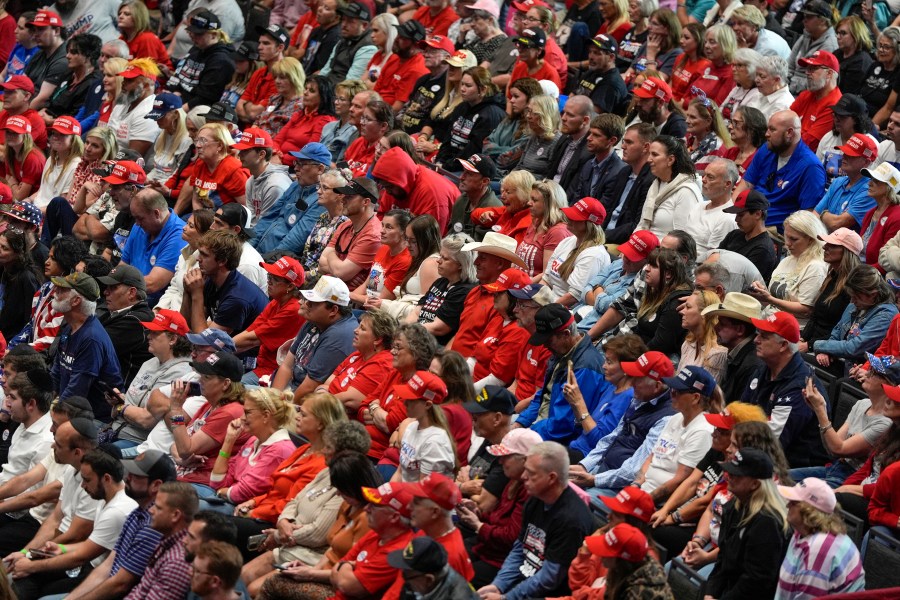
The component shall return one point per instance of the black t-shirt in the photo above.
(825, 315)
(121, 230)
(605, 89)
(877, 86)
(427, 92)
(759, 250)
(711, 473)
(589, 15)
(445, 302)
(487, 467)
(554, 534)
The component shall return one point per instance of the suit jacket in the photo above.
(611, 170)
(570, 175)
(631, 211)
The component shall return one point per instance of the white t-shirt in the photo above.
(74, 501)
(425, 452)
(790, 282)
(97, 17)
(27, 448)
(55, 183)
(677, 445)
(55, 472)
(588, 264)
(130, 125)
(709, 227)
(160, 438)
(108, 522)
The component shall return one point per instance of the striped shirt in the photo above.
(136, 544)
(168, 575)
(819, 565)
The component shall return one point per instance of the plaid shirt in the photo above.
(168, 575)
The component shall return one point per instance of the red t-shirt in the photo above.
(396, 410)
(359, 248)
(229, 179)
(275, 325)
(363, 375)
(398, 77)
(556, 58)
(533, 245)
(716, 82)
(388, 271)
(38, 128)
(308, 18)
(147, 45)
(816, 117)
(105, 112)
(684, 74)
(478, 311)
(618, 33)
(260, 88)
(457, 558)
(546, 71)
(303, 128)
(29, 171)
(359, 156)
(532, 368)
(498, 352)
(371, 566)
(460, 422)
(214, 423)
(438, 24)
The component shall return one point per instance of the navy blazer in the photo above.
(610, 171)
(631, 212)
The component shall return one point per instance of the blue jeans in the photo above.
(209, 500)
(865, 542)
(124, 444)
(250, 378)
(834, 474)
(130, 452)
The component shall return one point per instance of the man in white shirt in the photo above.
(28, 401)
(128, 118)
(708, 224)
(887, 150)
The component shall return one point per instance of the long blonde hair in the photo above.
(594, 236)
(167, 145)
(765, 498)
(108, 137)
(112, 68)
(707, 340)
(75, 153)
(547, 110)
(554, 200)
(439, 419)
(808, 224)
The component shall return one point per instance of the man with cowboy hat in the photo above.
(496, 253)
(735, 331)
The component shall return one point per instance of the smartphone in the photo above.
(194, 389)
(279, 567)
(255, 541)
(36, 554)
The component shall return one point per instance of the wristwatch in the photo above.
(580, 419)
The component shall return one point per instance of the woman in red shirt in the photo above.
(134, 23)
(24, 164)
(512, 218)
(616, 22)
(306, 125)
(391, 261)
(218, 177)
(531, 63)
(112, 85)
(717, 80)
(690, 65)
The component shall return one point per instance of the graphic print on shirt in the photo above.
(534, 543)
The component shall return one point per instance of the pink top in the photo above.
(250, 471)
(533, 245)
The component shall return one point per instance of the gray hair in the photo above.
(120, 47)
(422, 344)
(483, 14)
(388, 24)
(751, 14)
(647, 7)
(774, 66)
(194, 115)
(554, 459)
(453, 244)
(88, 307)
(732, 173)
(347, 435)
(716, 271)
(339, 176)
(793, 347)
(749, 57)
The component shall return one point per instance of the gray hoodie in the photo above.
(803, 48)
(263, 191)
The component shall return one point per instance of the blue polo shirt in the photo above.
(163, 251)
(854, 199)
(798, 185)
(234, 305)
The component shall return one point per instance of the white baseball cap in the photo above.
(329, 289)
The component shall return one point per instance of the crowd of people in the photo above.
(447, 299)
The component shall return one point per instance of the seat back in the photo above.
(882, 561)
(847, 396)
(856, 529)
(685, 582)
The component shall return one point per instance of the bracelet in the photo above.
(24, 551)
(704, 540)
(676, 516)
(224, 454)
(823, 429)
(581, 418)
(62, 548)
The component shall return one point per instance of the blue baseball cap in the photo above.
(163, 104)
(533, 291)
(692, 379)
(886, 366)
(314, 151)
(212, 337)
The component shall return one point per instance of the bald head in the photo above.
(576, 115)
(783, 132)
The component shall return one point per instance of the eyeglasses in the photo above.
(886, 47)
(341, 99)
(200, 141)
(324, 188)
(365, 119)
(531, 19)
(398, 348)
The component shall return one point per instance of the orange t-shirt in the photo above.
(816, 117)
(477, 314)
(359, 156)
(228, 179)
(388, 271)
(288, 480)
(684, 74)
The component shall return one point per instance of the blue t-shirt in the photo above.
(797, 186)
(317, 353)
(234, 305)
(18, 60)
(163, 251)
(84, 358)
(855, 200)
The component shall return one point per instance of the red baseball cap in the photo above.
(18, 124)
(393, 495)
(892, 391)
(622, 541)
(441, 42)
(126, 171)
(586, 209)
(66, 125)
(632, 500)
(168, 320)
(254, 137)
(859, 144)
(780, 323)
(820, 58)
(6, 196)
(47, 18)
(286, 268)
(639, 245)
(510, 279)
(19, 82)
(652, 364)
(133, 72)
(439, 489)
(720, 420)
(422, 386)
(654, 87)
(524, 5)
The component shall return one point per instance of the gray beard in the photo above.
(129, 98)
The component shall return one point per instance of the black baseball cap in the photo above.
(848, 105)
(748, 200)
(549, 320)
(362, 186)
(152, 464)
(412, 30)
(493, 398)
(481, 164)
(247, 51)
(221, 364)
(204, 21)
(235, 215)
(220, 112)
(750, 462)
(276, 32)
(606, 43)
(125, 275)
(422, 554)
(819, 8)
(355, 10)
